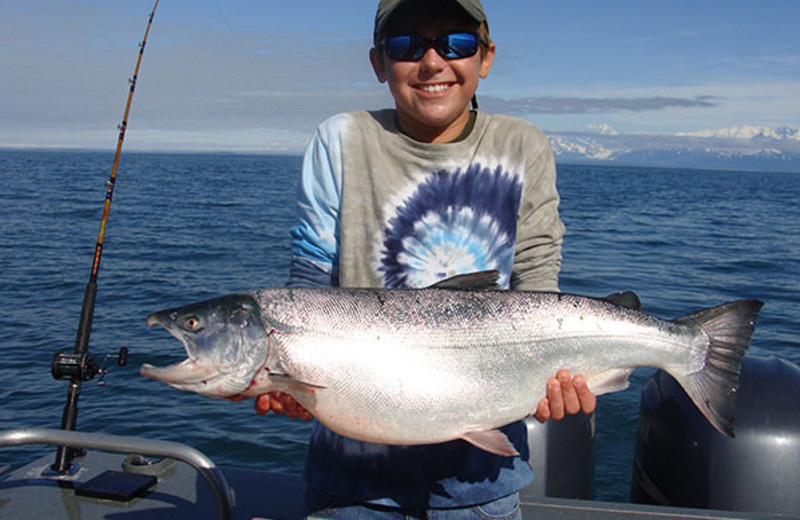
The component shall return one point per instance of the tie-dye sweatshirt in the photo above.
(379, 209)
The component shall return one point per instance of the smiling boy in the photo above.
(432, 93)
(403, 198)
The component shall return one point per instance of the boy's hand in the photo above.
(281, 403)
(565, 396)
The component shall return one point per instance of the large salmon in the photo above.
(431, 365)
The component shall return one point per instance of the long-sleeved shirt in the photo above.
(379, 209)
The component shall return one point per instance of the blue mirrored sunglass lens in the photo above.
(404, 48)
(450, 46)
(460, 45)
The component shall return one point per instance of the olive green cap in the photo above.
(387, 7)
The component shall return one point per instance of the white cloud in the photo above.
(65, 82)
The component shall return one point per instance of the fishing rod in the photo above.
(79, 366)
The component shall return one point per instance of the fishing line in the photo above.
(79, 366)
(301, 137)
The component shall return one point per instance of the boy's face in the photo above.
(432, 96)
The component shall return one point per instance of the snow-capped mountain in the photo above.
(756, 133)
(602, 129)
(744, 147)
(578, 146)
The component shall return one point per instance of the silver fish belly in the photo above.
(431, 365)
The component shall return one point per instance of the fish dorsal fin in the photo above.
(477, 281)
(627, 299)
(493, 441)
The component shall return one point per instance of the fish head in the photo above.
(225, 343)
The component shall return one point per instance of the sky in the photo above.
(260, 75)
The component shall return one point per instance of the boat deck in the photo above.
(183, 493)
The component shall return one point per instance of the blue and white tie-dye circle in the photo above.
(455, 222)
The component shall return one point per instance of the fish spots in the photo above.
(380, 309)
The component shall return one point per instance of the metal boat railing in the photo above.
(134, 445)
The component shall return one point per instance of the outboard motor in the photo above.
(562, 457)
(681, 460)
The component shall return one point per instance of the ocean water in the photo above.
(185, 227)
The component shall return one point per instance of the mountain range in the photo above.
(741, 148)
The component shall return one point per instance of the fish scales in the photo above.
(431, 365)
(483, 365)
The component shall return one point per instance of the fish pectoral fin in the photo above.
(493, 441)
(612, 380)
(292, 381)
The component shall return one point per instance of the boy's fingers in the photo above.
(276, 403)
(555, 398)
(542, 410)
(295, 409)
(587, 398)
(299, 411)
(572, 404)
(262, 404)
(303, 414)
(281, 403)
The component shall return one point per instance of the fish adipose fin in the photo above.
(493, 441)
(729, 328)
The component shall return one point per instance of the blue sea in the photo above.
(185, 227)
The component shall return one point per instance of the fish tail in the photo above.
(729, 328)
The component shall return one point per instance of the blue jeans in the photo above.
(322, 505)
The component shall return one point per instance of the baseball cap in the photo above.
(387, 7)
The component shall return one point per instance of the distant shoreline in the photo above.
(690, 163)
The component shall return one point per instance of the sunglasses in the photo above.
(449, 46)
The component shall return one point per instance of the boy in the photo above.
(406, 197)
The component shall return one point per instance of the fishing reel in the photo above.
(83, 367)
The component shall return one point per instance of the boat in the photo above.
(683, 468)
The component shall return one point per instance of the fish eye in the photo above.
(192, 323)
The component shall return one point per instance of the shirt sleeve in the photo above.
(540, 232)
(315, 237)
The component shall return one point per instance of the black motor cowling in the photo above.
(681, 460)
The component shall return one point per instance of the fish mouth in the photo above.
(188, 371)
(205, 370)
